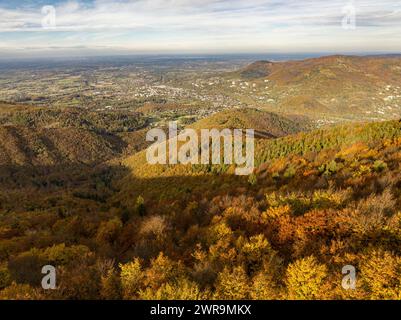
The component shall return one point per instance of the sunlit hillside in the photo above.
(328, 89)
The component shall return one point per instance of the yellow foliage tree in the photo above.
(182, 289)
(162, 270)
(263, 287)
(131, 278)
(232, 285)
(381, 275)
(305, 279)
(255, 251)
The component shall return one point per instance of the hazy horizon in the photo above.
(186, 56)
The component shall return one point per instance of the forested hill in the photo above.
(316, 202)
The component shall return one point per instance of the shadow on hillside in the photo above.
(187, 188)
(108, 185)
(29, 187)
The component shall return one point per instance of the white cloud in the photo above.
(215, 24)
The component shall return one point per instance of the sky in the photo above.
(84, 27)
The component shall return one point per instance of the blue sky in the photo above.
(197, 26)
